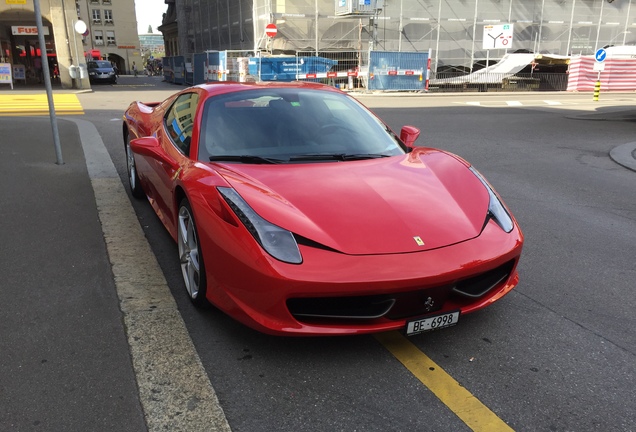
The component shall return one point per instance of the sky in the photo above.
(149, 12)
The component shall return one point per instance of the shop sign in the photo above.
(5, 74)
(12, 2)
(28, 30)
(126, 47)
(5, 71)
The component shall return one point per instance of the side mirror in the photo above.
(409, 135)
(150, 147)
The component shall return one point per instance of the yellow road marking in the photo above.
(38, 104)
(465, 406)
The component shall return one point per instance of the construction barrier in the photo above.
(617, 74)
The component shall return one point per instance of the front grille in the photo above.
(479, 285)
(398, 305)
(356, 308)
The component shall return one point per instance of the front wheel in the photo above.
(190, 256)
(133, 177)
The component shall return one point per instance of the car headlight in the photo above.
(496, 209)
(278, 242)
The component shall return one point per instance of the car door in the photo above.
(176, 138)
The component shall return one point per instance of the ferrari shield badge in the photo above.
(418, 240)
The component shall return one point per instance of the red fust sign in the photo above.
(271, 30)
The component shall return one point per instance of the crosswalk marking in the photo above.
(38, 104)
(513, 103)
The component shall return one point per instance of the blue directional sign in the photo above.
(600, 55)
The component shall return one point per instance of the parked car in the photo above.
(297, 211)
(101, 71)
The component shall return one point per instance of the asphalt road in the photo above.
(557, 354)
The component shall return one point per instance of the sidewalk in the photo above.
(64, 357)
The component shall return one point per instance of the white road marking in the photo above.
(551, 102)
(174, 389)
(514, 103)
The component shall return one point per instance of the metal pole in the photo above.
(401, 29)
(567, 52)
(439, 30)
(629, 7)
(538, 47)
(598, 29)
(79, 75)
(47, 81)
(316, 27)
(472, 50)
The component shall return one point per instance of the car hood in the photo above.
(102, 70)
(419, 201)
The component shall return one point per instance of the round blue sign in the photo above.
(600, 55)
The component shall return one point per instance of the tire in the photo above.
(190, 256)
(133, 177)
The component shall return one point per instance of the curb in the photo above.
(625, 155)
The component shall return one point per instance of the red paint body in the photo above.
(356, 221)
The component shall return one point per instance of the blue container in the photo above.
(286, 68)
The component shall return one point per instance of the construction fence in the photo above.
(348, 70)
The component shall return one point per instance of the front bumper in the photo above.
(332, 293)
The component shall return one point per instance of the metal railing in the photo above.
(492, 82)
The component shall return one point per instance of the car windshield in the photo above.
(99, 64)
(291, 125)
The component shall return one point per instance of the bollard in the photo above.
(597, 90)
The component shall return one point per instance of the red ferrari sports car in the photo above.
(298, 212)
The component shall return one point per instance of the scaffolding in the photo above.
(452, 30)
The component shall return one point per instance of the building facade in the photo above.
(112, 32)
(111, 35)
(453, 30)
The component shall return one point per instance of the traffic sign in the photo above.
(600, 55)
(498, 36)
(271, 30)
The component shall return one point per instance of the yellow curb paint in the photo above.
(460, 401)
(21, 104)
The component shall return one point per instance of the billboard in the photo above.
(358, 7)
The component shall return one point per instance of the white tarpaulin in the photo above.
(509, 65)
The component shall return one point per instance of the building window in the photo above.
(110, 37)
(108, 16)
(107, 2)
(98, 37)
(97, 16)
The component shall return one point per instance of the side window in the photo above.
(180, 120)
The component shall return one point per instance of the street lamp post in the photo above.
(80, 28)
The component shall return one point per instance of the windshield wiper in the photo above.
(336, 157)
(248, 159)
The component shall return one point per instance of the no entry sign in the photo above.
(271, 30)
